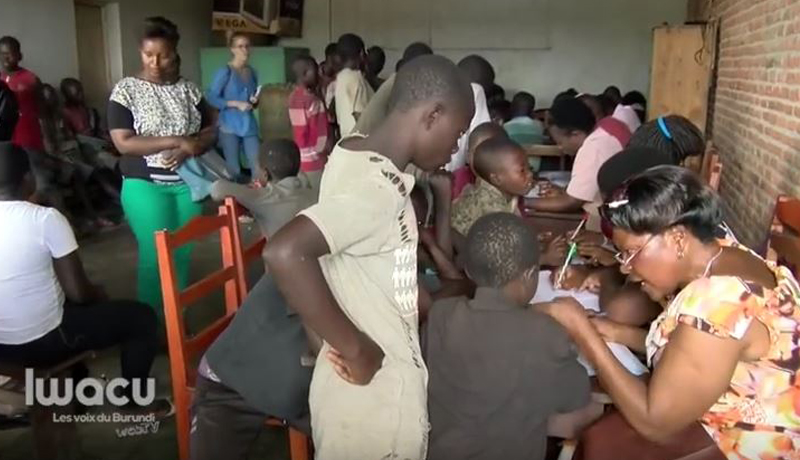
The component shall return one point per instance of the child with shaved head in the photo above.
(498, 369)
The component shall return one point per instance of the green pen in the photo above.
(573, 249)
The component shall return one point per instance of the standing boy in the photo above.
(348, 266)
(309, 120)
(352, 89)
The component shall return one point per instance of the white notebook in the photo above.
(546, 292)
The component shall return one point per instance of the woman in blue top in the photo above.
(233, 92)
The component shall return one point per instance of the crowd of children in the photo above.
(402, 256)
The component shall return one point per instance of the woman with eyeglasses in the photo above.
(726, 349)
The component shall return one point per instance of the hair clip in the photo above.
(662, 125)
(617, 203)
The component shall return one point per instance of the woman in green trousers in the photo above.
(157, 120)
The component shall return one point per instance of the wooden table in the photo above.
(542, 151)
(553, 222)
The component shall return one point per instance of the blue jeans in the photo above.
(231, 144)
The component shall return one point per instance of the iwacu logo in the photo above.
(97, 395)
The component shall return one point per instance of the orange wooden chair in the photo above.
(246, 254)
(711, 169)
(299, 443)
(784, 235)
(185, 351)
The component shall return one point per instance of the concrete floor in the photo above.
(110, 260)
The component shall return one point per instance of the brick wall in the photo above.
(755, 117)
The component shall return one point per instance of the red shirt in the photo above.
(77, 119)
(310, 128)
(461, 178)
(28, 133)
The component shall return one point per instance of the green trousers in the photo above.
(150, 207)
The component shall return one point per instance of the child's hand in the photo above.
(607, 328)
(592, 283)
(555, 252)
(573, 279)
(597, 255)
(549, 190)
(566, 311)
(589, 237)
(360, 369)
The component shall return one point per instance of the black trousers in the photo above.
(129, 324)
(223, 425)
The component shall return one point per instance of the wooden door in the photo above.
(682, 70)
(92, 64)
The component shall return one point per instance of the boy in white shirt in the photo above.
(353, 91)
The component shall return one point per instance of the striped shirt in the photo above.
(310, 128)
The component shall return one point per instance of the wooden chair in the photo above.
(185, 351)
(784, 235)
(299, 443)
(246, 254)
(711, 169)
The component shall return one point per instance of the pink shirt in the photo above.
(461, 178)
(310, 128)
(627, 115)
(596, 150)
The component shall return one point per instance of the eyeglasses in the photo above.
(626, 259)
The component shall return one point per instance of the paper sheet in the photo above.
(546, 292)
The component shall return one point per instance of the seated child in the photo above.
(576, 131)
(466, 175)
(74, 168)
(672, 134)
(84, 122)
(285, 192)
(309, 120)
(498, 370)
(503, 177)
(523, 128)
(80, 119)
(500, 111)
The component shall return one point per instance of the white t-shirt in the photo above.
(481, 116)
(31, 236)
(352, 96)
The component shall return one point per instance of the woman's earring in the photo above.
(680, 253)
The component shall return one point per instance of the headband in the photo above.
(662, 126)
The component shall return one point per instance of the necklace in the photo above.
(711, 263)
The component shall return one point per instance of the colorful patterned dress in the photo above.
(758, 416)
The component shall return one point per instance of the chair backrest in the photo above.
(244, 256)
(784, 235)
(711, 167)
(183, 350)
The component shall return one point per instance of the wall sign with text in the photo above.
(274, 17)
